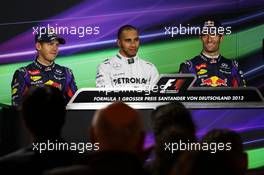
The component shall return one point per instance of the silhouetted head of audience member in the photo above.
(170, 144)
(172, 114)
(118, 127)
(206, 163)
(171, 123)
(43, 111)
(227, 136)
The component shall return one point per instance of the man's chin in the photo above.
(210, 50)
(51, 59)
(132, 54)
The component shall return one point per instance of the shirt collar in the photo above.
(43, 67)
(126, 59)
(211, 59)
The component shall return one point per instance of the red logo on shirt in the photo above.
(34, 72)
(200, 66)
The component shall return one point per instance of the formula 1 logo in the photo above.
(172, 86)
(178, 83)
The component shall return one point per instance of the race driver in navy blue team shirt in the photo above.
(210, 67)
(126, 69)
(43, 71)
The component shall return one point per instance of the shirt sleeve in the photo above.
(185, 67)
(71, 87)
(154, 75)
(103, 78)
(237, 75)
(18, 86)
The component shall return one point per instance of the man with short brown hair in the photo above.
(44, 71)
(211, 68)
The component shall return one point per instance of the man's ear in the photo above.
(38, 46)
(221, 38)
(118, 43)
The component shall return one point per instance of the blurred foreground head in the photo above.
(118, 127)
(43, 111)
(227, 136)
(206, 163)
(172, 115)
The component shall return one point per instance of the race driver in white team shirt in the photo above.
(126, 69)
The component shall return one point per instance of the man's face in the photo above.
(128, 43)
(48, 50)
(211, 43)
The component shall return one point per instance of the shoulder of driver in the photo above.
(146, 63)
(104, 64)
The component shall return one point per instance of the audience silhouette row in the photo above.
(119, 132)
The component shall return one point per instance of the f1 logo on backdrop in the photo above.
(174, 83)
(172, 86)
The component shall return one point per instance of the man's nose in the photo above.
(55, 47)
(210, 38)
(133, 43)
